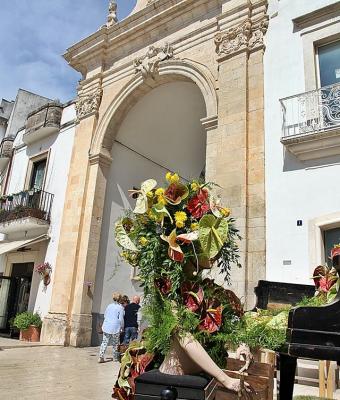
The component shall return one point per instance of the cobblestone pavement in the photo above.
(65, 373)
(57, 373)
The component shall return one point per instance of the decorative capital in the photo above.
(112, 17)
(89, 104)
(245, 37)
(149, 63)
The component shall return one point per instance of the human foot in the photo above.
(101, 360)
(244, 390)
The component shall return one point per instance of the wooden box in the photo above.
(259, 375)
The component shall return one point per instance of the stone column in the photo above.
(81, 312)
(71, 303)
(235, 150)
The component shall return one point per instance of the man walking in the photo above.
(131, 320)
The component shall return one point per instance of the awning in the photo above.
(6, 247)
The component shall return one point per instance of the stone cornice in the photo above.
(107, 40)
(317, 16)
(247, 36)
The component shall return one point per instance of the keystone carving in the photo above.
(246, 36)
(149, 63)
(88, 104)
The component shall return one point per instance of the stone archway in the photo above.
(70, 318)
(217, 45)
(167, 71)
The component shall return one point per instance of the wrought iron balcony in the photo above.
(311, 123)
(43, 122)
(25, 210)
(6, 150)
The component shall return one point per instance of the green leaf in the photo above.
(213, 233)
(122, 237)
(161, 212)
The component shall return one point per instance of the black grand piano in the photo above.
(314, 333)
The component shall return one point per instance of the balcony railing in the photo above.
(30, 203)
(311, 112)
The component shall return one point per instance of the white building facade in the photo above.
(32, 201)
(302, 137)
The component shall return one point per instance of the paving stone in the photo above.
(58, 373)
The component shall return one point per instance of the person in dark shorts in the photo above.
(131, 320)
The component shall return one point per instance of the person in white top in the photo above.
(112, 326)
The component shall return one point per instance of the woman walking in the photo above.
(112, 326)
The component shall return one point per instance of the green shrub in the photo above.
(24, 320)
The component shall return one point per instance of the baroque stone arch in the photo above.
(168, 71)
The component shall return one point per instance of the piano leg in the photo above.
(285, 385)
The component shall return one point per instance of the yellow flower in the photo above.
(225, 212)
(159, 192)
(168, 176)
(195, 186)
(180, 218)
(172, 178)
(160, 196)
(194, 226)
(150, 195)
(143, 241)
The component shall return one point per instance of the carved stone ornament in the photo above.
(112, 17)
(246, 36)
(88, 104)
(148, 64)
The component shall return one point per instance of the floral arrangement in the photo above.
(174, 233)
(44, 270)
(185, 219)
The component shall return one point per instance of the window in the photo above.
(38, 173)
(331, 238)
(329, 63)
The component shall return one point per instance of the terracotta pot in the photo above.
(32, 334)
(47, 279)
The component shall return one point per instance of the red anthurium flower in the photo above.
(193, 296)
(163, 284)
(324, 278)
(175, 193)
(175, 252)
(212, 318)
(326, 282)
(199, 205)
(335, 252)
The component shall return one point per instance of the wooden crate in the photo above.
(259, 375)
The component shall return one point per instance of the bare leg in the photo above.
(199, 356)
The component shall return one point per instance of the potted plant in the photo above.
(29, 325)
(44, 270)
